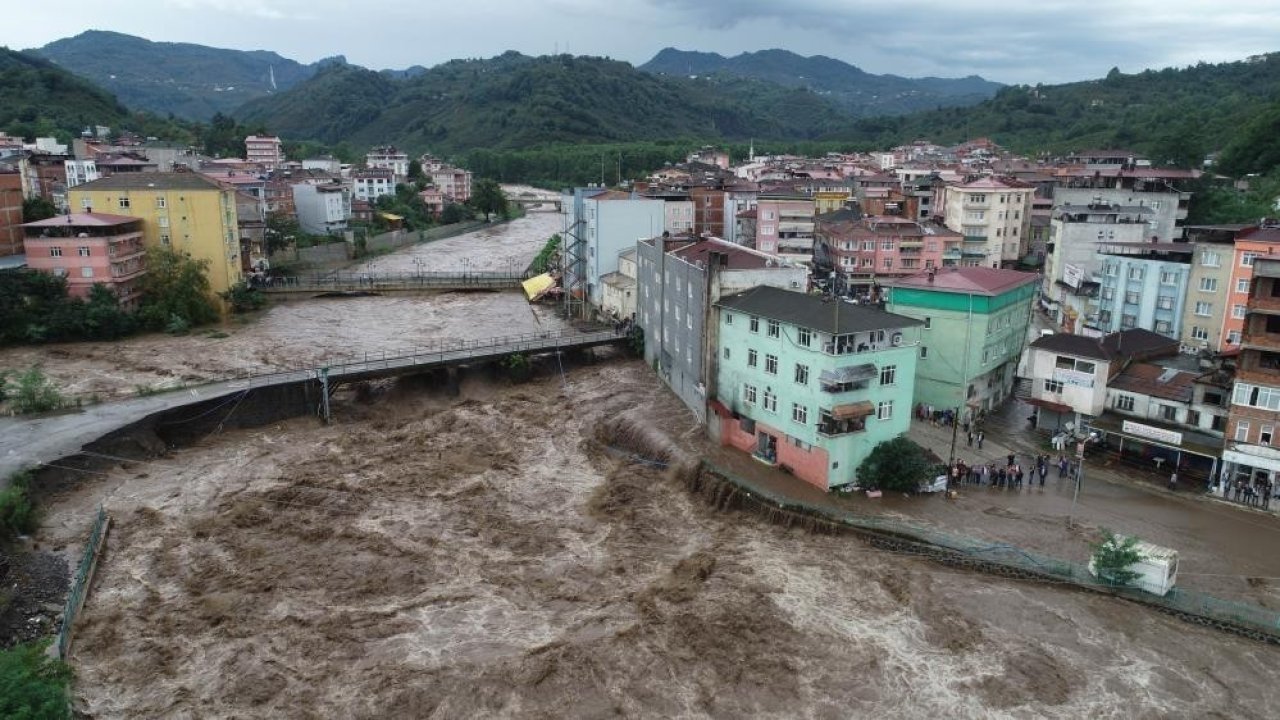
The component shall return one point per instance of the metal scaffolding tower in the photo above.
(574, 272)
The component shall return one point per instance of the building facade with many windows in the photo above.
(994, 216)
(1144, 285)
(1252, 454)
(811, 385)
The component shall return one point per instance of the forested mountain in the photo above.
(860, 93)
(189, 81)
(1175, 115)
(514, 101)
(39, 98)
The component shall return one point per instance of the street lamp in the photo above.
(1079, 474)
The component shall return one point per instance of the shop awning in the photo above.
(850, 411)
(1050, 405)
(852, 373)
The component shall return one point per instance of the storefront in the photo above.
(1160, 448)
(1252, 466)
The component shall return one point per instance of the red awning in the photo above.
(1050, 405)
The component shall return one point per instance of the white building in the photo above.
(322, 209)
(80, 172)
(598, 226)
(328, 163)
(264, 150)
(389, 158)
(369, 185)
(994, 215)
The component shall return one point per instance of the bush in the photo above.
(176, 293)
(542, 263)
(517, 366)
(17, 514)
(243, 298)
(4, 386)
(897, 464)
(36, 393)
(33, 686)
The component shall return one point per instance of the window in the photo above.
(164, 240)
(1110, 269)
(85, 203)
(799, 413)
(1136, 273)
(1128, 321)
(688, 321)
(1259, 396)
(83, 251)
(162, 222)
(1242, 431)
(755, 324)
(1124, 402)
(1199, 333)
(123, 203)
(1233, 337)
(1169, 413)
(1208, 284)
(749, 394)
(924, 352)
(888, 374)
(802, 374)
(1108, 293)
(1210, 259)
(1242, 286)
(1204, 309)
(868, 245)
(770, 401)
(1264, 434)
(773, 329)
(726, 353)
(1164, 302)
(884, 411)
(1247, 258)
(160, 201)
(1164, 327)
(55, 251)
(886, 244)
(1237, 312)
(771, 364)
(1131, 297)
(752, 357)
(1053, 387)
(803, 337)
(888, 263)
(728, 318)
(928, 322)
(86, 272)
(1104, 317)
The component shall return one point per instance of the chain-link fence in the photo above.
(1002, 558)
(80, 583)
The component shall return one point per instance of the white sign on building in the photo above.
(1073, 377)
(1153, 433)
(1072, 276)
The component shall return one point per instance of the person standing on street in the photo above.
(1173, 480)
(1044, 469)
(1062, 466)
(970, 435)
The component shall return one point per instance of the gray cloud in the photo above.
(1046, 41)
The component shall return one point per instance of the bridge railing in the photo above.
(404, 279)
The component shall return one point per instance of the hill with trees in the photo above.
(190, 81)
(856, 91)
(40, 98)
(516, 101)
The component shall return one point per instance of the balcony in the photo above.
(1264, 305)
(844, 420)
(1262, 332)
(975, 238)
(847, 379)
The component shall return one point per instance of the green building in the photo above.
(976, 322)
(808, 384)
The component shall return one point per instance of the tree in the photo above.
(243, 298)
(488, 198)
(33, 685)
(453, 213)
(36, 393)
(897, 464)
(415, 171)
(37, 208)
(1113, 556)
(175, 291)
(281, 230)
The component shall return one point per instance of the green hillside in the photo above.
(1175, 116)
(515, 101)
(190, 81)
(39, 98)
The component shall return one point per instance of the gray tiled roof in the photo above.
(152, 181)
(813, 311)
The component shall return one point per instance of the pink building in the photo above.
(265, 151)
(863, 249)
(454, 182)
(433, 199)
(88, 249)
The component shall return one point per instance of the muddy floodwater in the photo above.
(514, 552)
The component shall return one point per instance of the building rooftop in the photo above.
(1077, 345)
(89, 219)
(1126, 343)
(1156, 381)
(995, 183)
(152, 181)
(1261, 234)
(970, 280)
(737, 257)
(815, 312)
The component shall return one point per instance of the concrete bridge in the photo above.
(536, 203)
(392, 282)
(257, 397)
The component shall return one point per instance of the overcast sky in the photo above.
(1012, 42)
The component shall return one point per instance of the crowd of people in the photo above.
(1011, 475)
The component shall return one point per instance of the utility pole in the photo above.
(955, 429)
(324, 393)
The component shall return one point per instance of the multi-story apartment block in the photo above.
(454, 182)
(1072, 265)
(678, 281)
(1144, 285)
(994, 216)
(388, 157)
(10, 214)
(1209, 291)
(90, 249)
(323, 209)
(80, 172)
(1251, 243)
(184, 210)
(862, 250)
(811, 385)
(1251, 455)
(373, 183)
(264, 150)
(1154, 188)
(600, 224)
(784, 227)
(976, 322)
